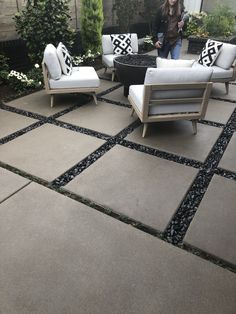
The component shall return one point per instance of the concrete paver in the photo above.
(10, 183)
(177, 137)
(218, 90)
(117, 95)
(136, 185)
(39, 102)
(48, 151)
(228, 161)
(213, 227)
(104, 85)
(59, 256)
(12, 122)
(104, 117)
(219, 111)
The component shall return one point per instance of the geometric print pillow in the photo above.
(121, 44)
(209, 53)
(65, 59)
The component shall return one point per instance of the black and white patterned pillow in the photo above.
(65, 59)
(121, 44)
(209, 53)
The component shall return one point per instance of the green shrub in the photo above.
(43, 22)
(91, 25)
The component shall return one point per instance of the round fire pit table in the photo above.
(131, 69)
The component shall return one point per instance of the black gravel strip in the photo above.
(224, 99)
(79, 129)
(211, 123)
(23, 112)
(226, 173)
(83, 164)
(162, 154)
(180, 222)
(113, 102)
(209, 257)
(16, 134)
(109, 90)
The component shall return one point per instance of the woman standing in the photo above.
(168, 26)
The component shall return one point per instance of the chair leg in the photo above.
(52, 100)
(113, 76)
(145, 125)
(105, 70)
(95, 98)
(194, 123)
(227, 87)
(132, 112)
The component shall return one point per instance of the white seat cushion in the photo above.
(80, 77)
(52, 62)
(107, 60)
(218, 72)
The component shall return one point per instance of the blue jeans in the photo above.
(173, 50)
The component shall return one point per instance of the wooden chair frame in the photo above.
(148, 101)
(52, 91)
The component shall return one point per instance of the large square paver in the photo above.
(117, 95)
(59, 256)
(48, 151)
(218, 90)
(10, 183)
(104, 85)
(39, 102)
(177, 138)
(104, 117)
(219, 111)
(11, 122)
(144, 187)
(213, 227)
(228, 160)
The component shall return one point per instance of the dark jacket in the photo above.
(161, 23)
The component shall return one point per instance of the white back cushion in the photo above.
(226, 56)
(177, 75)
(107, 46)
(171, 63)
(51, 60)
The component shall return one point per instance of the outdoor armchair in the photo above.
(171, 94)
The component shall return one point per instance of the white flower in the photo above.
(36, 65)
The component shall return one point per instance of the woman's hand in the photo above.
(180, 24)
(158, 45)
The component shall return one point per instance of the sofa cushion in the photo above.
(209, 53)
(108, 60)
(171, 63)
(64, 58)
(226, 56)
(121, 44)
(51, 60)
(107, 47)
(179, 75)
(80, 77)
(218, 72)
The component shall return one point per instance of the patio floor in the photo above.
(96, 219)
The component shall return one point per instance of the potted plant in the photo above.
(219, 25)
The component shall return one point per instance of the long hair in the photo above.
(177, 8)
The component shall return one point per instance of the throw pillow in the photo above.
(121, 44)
(51, 60)
(65, 59)
(171, 63)
(209, 53)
